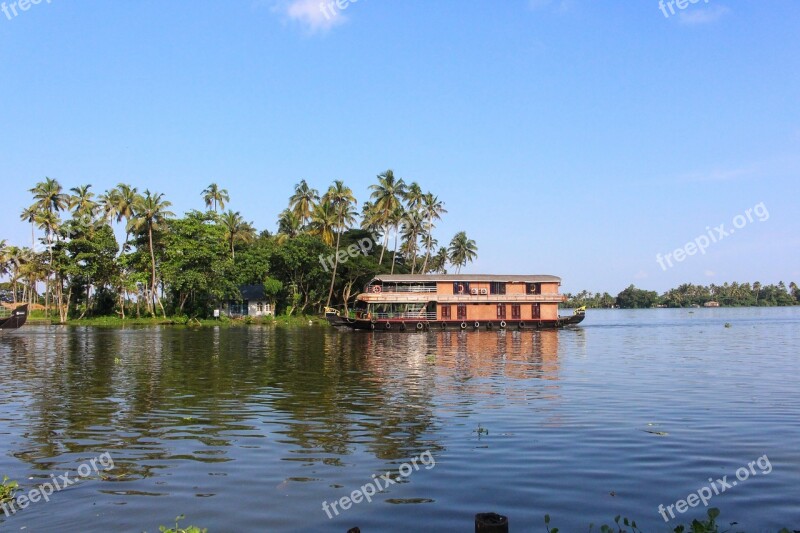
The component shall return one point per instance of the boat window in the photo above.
(445, 312)
(462, 311)
(536, 311)
(497, 287)
(533, 288)
(501, 311)
(515, 311)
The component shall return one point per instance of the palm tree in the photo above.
(49, 200)
(462, 250)
(12, 261)
(429, 242)
(213, 195)
(29, 215)
(396, 220)
(81, 202)
(236, 229)
(289, 225)
(323, 221)
(412, 228)
(387, 195)
(343, 201)
(433, 209)
(439, 261)
(150, 213)
(302, 202)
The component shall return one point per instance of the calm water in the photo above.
(252, 429)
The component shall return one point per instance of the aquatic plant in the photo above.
(708, 525)
(7, 490)
(178, 529)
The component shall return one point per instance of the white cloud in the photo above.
(313, 15)
(695, 16)
(710, 273)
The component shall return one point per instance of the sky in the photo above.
(568, 137)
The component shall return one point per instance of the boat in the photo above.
(334, 318)
(15, 318)
(462, 302)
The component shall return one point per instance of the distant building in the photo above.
(711, 304)
(253, 302)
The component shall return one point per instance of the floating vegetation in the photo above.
(708, 525)
(481, 431)
(8, 489)
(728, 325)
(178, 529)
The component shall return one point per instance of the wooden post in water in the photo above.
(491, 523)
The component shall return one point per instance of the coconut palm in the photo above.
(289, 225)
(236, 230)
(343, 201)
(413, 226)
(213, 195)
(12, 258)
(29, 215)
(433, 209)
(150, 213)
(81, 202)
(387, 197)
(324, 220)
(396, 220)
(439, 261)
(462, 250)
(302, 202)
(49, 200)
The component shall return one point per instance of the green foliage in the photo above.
(621, 525)
(7, 490)
(178, 529)
(633, 298)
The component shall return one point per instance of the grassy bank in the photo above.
(38, 317)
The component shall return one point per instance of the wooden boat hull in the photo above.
(461, 325)
(17, 319)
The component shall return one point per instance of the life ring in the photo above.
(372, 319)
(463, 325)
(477, 325)
(372, 326)
(461, 288)
(444, 326)
(522, 325)
(503, 324)
(489, 325)
(403, 326)
(388, 325)
(376, 289)
(420, 326)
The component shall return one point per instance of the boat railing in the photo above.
(468, 298)
(399, 288)
(407, 315)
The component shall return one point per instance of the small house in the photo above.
(711, 304)
(253, 302)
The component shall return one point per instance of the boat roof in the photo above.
(432, 278)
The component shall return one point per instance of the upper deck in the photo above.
(462, 288)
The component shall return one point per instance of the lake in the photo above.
(254, 428)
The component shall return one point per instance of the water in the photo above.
(252, 429)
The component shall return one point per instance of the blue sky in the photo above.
(577, 138)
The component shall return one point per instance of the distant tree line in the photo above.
(688, 295)
(169, 265)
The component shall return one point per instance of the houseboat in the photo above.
(460, 301)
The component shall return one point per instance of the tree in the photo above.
(387, 196)
(439, 261)
(213, 195)
(150, 212)
(433, 210)
(343, 202)
(323, 222)
(633, 298)
(81, 202)
(236, 229)
(303, 200)
(462, 250)
(49, 200)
